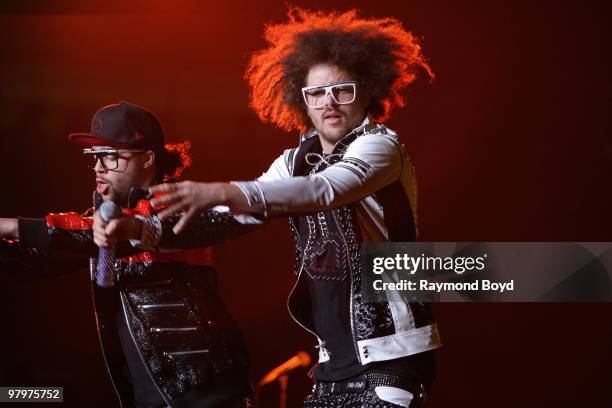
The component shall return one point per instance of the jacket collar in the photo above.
(309, 143)
(312, 132)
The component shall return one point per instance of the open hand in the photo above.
(188, 197)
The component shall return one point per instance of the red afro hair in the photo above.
(173, 160)
(382, 56)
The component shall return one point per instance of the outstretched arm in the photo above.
(208, 227)
(192, 197)
(150, 233)
(26, 248)
(68, 233)
(370, 163)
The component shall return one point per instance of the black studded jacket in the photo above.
(180, 326)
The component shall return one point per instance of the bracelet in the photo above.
(151, 233)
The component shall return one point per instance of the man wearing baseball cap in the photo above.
(128, 143)
(166, 335)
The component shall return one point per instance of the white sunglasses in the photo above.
(342, 93)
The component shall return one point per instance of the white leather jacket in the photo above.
(364, 191)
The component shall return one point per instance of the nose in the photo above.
(329, 99)
(99, 167)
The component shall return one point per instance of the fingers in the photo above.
(177, 208)
(185, 218)
(163, 188)
(101, 238)
(187, 196)
(167, 200)
(98, 222)
(168, 193)
(111, 228)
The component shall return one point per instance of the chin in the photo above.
(332, 134)
(110, 196)
(336, 133)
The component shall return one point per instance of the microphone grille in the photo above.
(109, 210)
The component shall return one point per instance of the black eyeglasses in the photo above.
(108, 157)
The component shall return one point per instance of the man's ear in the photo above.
(149, 158)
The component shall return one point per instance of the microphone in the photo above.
(301, 359)
(105, 278)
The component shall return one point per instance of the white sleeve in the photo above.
(278, 170)
(370, 163)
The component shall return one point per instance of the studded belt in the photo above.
(366, 381)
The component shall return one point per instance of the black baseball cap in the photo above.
(123, 125)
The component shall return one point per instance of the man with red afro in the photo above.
(334, 77)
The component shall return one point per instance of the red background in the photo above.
(511, 143)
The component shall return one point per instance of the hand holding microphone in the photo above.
(109, 231)
(105, 276)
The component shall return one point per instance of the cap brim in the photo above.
(87, 139)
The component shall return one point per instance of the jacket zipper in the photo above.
(171, 329)
(184, 353)
(297, 281)
(363, 126)
(350, 289)
(160, 305)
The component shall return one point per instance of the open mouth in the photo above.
(102, 187)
